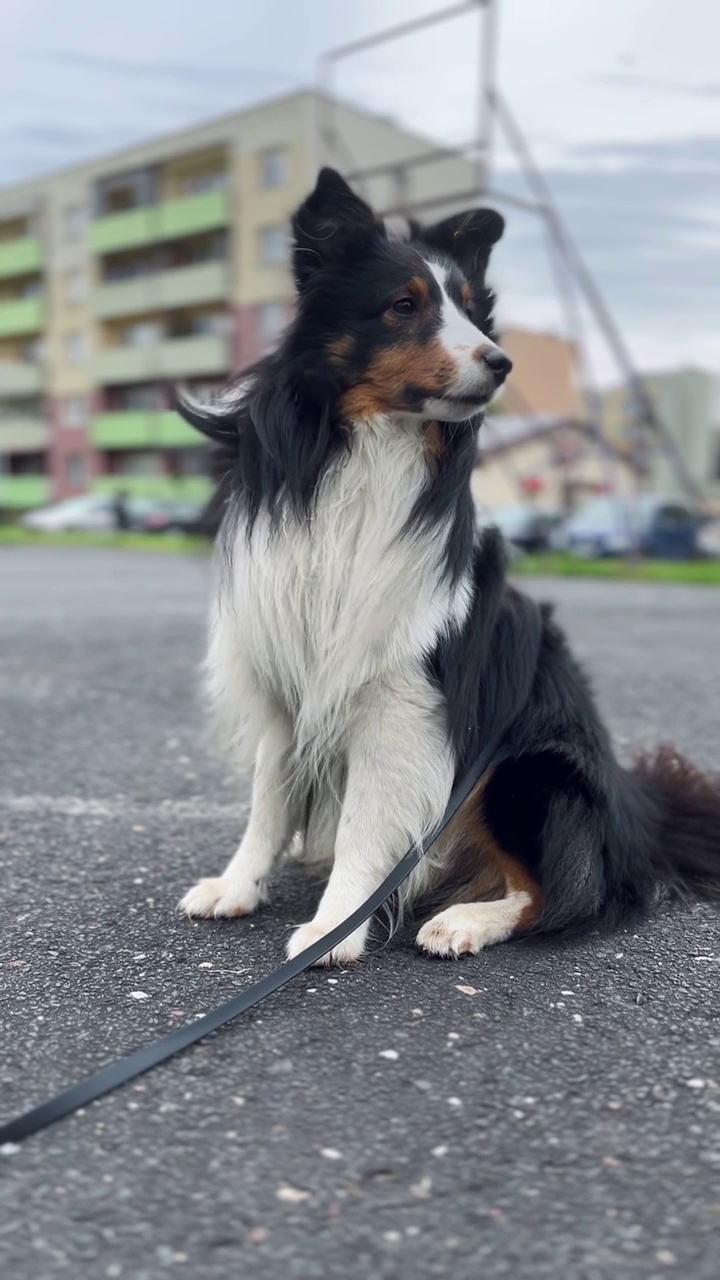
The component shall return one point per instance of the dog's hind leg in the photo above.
(492, 895)
(470, 926)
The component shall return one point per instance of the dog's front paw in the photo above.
(219, 896)
(345, 953)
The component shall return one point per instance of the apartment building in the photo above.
(688, 402)
(164, 263)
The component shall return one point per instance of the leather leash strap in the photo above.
(142, 1060)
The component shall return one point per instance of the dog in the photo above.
(365, 645)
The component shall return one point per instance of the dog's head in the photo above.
(405, 325)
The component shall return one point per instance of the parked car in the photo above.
(92, 513)
(99, 512)
(525, 527)
(167, 516)
(708, 539)
(650, 525)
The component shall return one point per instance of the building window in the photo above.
(197, 183)
(76, 347)
(271, 320)
(274, 167)
(146, 334)
(209, 324)
(76, 470)
(34, 351)
(121, 198)
(76, 285)
(75, 221)
(273, 245)
(143, 399)
(147, 462)
(76, 411)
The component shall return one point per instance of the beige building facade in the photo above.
(163, 263)
(552, 462)
(167, 263)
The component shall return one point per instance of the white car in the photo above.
(525, 527)
(708, 539)
(91, 513)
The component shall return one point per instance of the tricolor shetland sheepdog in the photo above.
(365, 645)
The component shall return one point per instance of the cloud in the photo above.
(694, 153)
(618, 80)
(187, 73)
(49, 135)
(646, 224)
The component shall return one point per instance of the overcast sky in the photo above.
(620, 100)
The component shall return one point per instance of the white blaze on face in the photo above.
(465, 345)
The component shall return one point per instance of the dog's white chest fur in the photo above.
(317, 611)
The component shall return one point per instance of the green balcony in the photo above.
(20, 378)
(192, 214)
(19, 493)
(138, 429)
(21, 316)
(185, 217)
(174, 358)
(20, 433)
(20, 257)
(181, 488)
(159, 290)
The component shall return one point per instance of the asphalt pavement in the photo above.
(543, 1110)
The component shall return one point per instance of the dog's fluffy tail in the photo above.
(687, 848)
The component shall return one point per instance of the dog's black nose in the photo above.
(499, 365)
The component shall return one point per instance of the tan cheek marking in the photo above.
(381, 389)
(360, 403)
(341, 348)
(392, 320)
(467, 296)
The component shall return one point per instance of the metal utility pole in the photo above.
(329, 133)
(486, 86)
(572, 275)
(645, 409)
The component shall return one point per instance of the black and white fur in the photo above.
(365, 645)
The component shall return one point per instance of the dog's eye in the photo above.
(469, 312)
(404, 307)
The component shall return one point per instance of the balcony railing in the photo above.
(20, 316)
(159, 290)
(175, 218)
(20, 257)
(20, 378)
(20, 433)
(173, 358)
(18, 493)
(143, 429)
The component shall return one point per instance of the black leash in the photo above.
(136, 1064)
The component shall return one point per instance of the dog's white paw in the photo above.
(219, 896)
(345, 953)
(468, 927)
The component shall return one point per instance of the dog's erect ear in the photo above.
(468, 238)
(331, 218)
